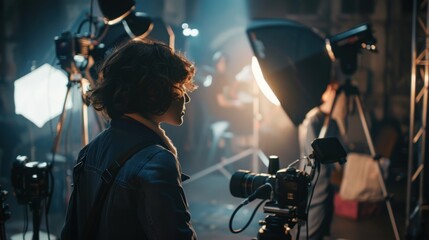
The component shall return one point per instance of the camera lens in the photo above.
(243, 183)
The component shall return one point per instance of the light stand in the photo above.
(353, 92)
(82, 83)
(253, 151)
(345, 46)
(4, 213)
(35, 206)
(30, 180)
(75, 80)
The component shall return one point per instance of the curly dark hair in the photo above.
(141, 76)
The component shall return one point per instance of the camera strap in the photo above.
(108, 177)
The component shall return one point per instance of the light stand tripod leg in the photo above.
(84, 124)
(324, 130)
(380, 175)
(100, 123)
(84, 117)
(224, 171)
(263, 157)
(364, 125)
(254, 150)
(60, 123)
(220, 165)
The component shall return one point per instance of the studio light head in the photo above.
(346, 45)
(30, 179)
(115, 11)
(293, 61)
(135, 23)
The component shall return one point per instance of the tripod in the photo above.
(75, 80)
(84, 117)
(253, 151)
(353, 92)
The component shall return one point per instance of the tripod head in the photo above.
(275, 227)
(346, 45)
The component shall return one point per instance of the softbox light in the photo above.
(39, 95)
(294, 62)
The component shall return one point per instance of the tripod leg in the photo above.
(364, 125)
(84, 124)
(60, 123)
(84, 114)
(380, 175)
(100, 123)
(220, 165)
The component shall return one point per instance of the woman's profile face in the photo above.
(175, 113)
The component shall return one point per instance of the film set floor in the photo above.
(212, 205)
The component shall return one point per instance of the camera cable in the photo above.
(249, 199)
(317, 166)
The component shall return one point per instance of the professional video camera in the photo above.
(75, 49)
(30, 179)
(287, 189)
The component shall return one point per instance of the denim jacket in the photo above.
(146, 200)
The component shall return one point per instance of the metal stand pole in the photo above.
(75, 79)
(380, 173)
(354, 93)
(35, 205)
(84, 116)
(419, 95)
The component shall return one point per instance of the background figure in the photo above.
(222, 89)
(227, 99)
(321, 208)
(226, 116)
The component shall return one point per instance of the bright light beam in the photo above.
(262, 84)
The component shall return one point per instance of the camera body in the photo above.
(291, 187)
(75, 49)
(67, 46)
(288, 193)
(30, 179)
(288, 188)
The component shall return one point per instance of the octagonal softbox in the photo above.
(294, 61)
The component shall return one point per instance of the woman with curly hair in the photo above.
(141, 85)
